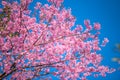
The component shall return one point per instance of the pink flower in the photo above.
(5, 19)
(57, 2)
(4, 3)
(1, 10)
(87, 22)
(105, 41)
(79, 28)
(38, 5)
(97, 26)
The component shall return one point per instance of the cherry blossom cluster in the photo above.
(30, 49)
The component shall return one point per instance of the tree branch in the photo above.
(57, 39)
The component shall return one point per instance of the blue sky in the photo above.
(106, 12)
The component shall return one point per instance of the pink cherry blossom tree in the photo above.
(30, 49)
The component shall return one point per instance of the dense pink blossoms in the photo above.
(32, 49)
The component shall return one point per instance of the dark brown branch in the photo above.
(38, 39)
(57, 39)
(7, 74)
(14, 69)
